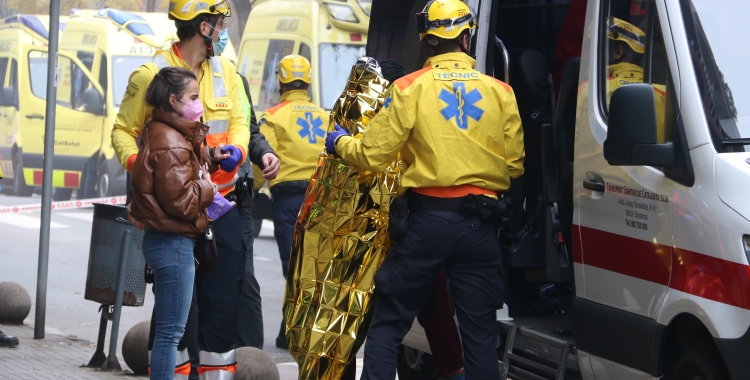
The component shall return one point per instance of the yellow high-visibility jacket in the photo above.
(296, 130)
(219, 91)
(452, 125)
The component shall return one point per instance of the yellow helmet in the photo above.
(294, 67)
(619, 30)
(186, 10)
(445, 19)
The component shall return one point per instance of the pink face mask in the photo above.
(193, 110)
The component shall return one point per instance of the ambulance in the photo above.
(331, 34)
(17, 33)
(626, 251)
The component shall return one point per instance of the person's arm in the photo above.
(258, 144)
(178, 194)
(514, 148)
(384, 138)
(238, 133)
(134, 111)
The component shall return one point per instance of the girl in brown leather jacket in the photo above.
(170, 197)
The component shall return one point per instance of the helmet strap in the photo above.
(208, 40)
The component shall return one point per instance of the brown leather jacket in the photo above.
(167, 192)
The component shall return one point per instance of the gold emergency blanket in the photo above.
(340, 240)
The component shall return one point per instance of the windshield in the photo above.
(122, 67)
(719, 39)
(336, 61)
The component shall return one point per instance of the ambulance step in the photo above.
(528, 367)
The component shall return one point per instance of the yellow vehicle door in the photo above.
(80, 114)
(8, 103)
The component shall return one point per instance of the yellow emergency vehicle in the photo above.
(20, 77)
(332, 35)
(104, 46)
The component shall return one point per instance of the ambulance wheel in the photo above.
(700, 361)
(20, 189)
(414, 364)
(60, 194)
(103, 181)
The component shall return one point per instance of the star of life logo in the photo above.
(460, 105)
(310, 128)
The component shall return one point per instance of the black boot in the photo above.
(281, 339)
(7, 340)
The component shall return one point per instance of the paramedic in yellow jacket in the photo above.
(202, 31)
(295, 129)
(460, 134)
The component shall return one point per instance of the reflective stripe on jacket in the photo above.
(218, 91)
(452, 125)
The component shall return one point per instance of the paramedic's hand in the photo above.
(235, 156)
(271, 166)
(332, 136)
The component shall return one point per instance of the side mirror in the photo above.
(8, 98)
(631, 136)
(93, 102)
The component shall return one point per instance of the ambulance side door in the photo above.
(623, 214)
(8, 107)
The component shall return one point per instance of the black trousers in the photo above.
(468, 249)
(249, 316)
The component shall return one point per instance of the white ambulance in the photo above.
(626, 255)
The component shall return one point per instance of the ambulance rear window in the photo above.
(122, 67)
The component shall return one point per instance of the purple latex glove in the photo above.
(235, 155)
(218, 207)
(332, 136)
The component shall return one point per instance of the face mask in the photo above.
(222, 43)
(193, 110)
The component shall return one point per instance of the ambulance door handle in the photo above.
(593, 185)
(35, 116)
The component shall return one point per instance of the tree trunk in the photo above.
(240, 12)
(150, 5)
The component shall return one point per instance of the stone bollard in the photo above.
(135, 348)
(254, 364)
(15, 303)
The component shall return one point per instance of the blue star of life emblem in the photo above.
(460, 104)
(310, 127)
(387, 102)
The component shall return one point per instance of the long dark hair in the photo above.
(169, 80)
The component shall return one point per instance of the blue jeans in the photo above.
(171, 258)
(285, 211)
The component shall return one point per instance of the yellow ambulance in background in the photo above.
(105, 47)
(19, 34)
(332, 35)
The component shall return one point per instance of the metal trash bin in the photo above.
(108, 229)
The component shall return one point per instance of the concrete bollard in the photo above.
(254, 364)
(15, 303)
(135, 348)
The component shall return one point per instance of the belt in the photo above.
(419, 202)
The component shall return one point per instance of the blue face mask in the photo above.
(220, 45)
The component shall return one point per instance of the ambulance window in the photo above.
(269, 85)
(9, 75)
(633, 51)
(38, 73)
(3, 70)
(336, 61)
(103, 73)
(305, 51)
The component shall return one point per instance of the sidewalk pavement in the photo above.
(58, 356)
(55, 357)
